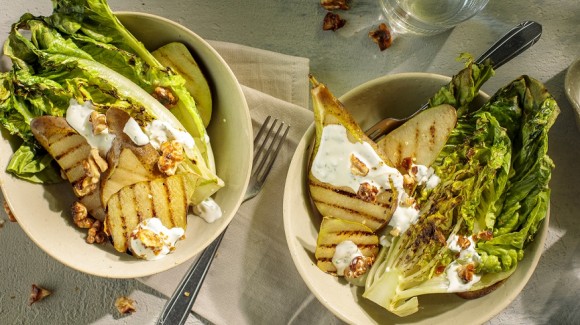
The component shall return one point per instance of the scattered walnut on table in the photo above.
(382, 36)
(334, 4)
(37, 294)
(125, 305)
(332, 21)
(9, 212)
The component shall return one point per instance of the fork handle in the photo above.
(514, 42)
(177, 308)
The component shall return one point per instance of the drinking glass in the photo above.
(428, 17)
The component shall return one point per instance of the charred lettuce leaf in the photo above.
(494, 174)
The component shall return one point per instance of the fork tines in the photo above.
(270, 136)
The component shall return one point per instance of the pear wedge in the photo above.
(128, 162)
(164, 198)
(73, 154)
(177, 56)
(341, 201)
(420, 138)
(334, 231)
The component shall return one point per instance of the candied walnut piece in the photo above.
(125, 305)
(382, 36)
(466, 272)
(37, 294)
(357, 167)
(96, 234)
(483, 235)
(463, 242)
(165, 97)
(99, 122)
(367, 192)
(332, 21)
(334, 4)
(358, 267)
(9, 212)
(98, 160)
(80, 215)
(88, 183)
(171, 155)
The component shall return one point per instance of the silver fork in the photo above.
(510, 45)
(267, 144)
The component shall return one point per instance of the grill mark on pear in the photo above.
(346, 193)
(360, 213)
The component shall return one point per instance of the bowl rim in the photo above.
(143, 270)
(298, 160)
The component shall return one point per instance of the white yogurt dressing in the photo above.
(466, 256)
(160, 132)
(151, 240)
(344, 254)
(425, 175)
(332, 165)
(133, 131)
(77, 116)
(208, 209)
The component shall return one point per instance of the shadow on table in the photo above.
(551, 296)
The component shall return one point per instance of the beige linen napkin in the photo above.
(253, 279)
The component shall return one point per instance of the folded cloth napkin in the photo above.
(253, 279)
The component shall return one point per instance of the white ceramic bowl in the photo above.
(398, 96)
(43, 211)
(572, 88)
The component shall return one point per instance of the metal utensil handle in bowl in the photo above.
(267, 145)
(510, 45)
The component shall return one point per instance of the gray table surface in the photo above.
(343, 59)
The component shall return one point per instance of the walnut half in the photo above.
(37, 294)
(80, 215)
(332, 21)
(358, 267)
(171, 155)
(125, 305)
(96, 234)
(382, 36)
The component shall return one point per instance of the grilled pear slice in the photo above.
(334, 231)
(164, 198)
(421, 138)
(177, 56)
(63, 143)
(128, 171)
(73, 154)
(339, 201)
(128, 162)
